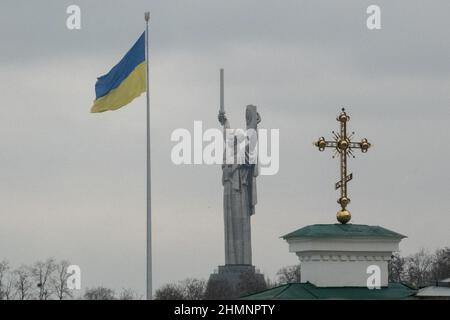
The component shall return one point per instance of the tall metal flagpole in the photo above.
(149, 185)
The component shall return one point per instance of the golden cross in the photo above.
(344, 147)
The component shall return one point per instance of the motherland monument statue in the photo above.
(239, 171)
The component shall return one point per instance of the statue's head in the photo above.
(252, 116)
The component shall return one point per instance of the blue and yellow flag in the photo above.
(125, 81)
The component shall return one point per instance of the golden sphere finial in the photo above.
(343, 216)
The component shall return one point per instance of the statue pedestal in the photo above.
(339, 255)
(234, 280)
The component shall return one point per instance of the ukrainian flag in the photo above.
(125, 81)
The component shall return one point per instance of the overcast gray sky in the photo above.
(72, 184)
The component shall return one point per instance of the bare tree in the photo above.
(59, 280)
(129, 294)
(193, 289)
(42, 274)
(4, 268)
(23, 283)
(397, 268)
(9, 292)
(169, 292)
(188, 289)
(99, 293)
(289, 274)
(441, 264)
(418, 268)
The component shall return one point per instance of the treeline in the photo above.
(42, 281)
(420, 269)
(417, 270)
(48, 280)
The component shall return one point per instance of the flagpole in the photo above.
(149, 185)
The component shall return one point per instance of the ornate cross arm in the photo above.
(364, 145)
(344, 147)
